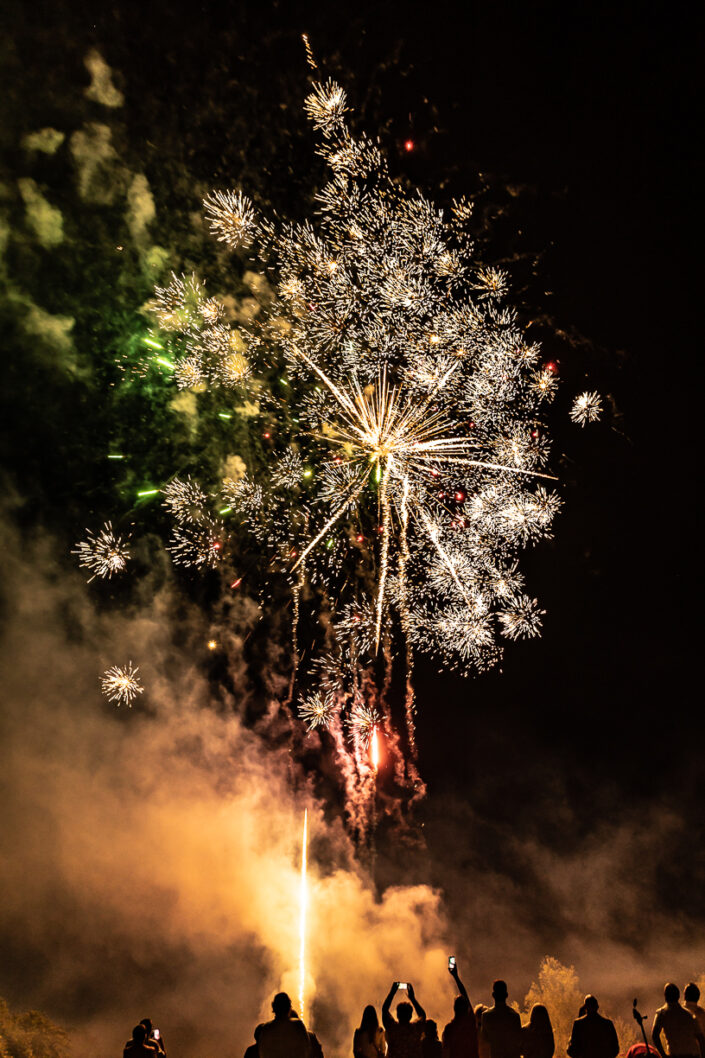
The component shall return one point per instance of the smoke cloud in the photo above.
(149, 860)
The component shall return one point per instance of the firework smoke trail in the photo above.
(303, 908)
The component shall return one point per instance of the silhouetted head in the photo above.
(139, 1033)
(500, 991)
(147, 1022)
(404, 1012)
(479, 1011)
(281, 1005)
(591, 1005)
(370, 1021)
(671, 993)
(691, 993)
(461, 1006)
(431, 1030)
(539, 1019)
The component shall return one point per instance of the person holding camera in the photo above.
(403, 1035)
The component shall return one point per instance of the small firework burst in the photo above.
(586, 408)
(325, 107)
(289, 470)
(232, 217)
(185, 499)
(521, 619)
(362, 721)
(121, 685)
(105, 553)
(197, 544)
(318, 710)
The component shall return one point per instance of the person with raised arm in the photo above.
(403, 1035)
(460, 1035)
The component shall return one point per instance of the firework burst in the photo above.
(121, 685)
(586, 408)
(415, 403)
(318, 710)
(105, 553)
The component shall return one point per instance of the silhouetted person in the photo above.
(483, 1046)
(403, 1034)
(253, 1050)
(537, 1036)
(283, 1037)
(313, 1041)
(501, 1026)
(593, 1036)
(431, 1046)
(460, 1034)
(154, 1037)
(678, 1025)
(369, 1041)
(138, 1047)
(691, 995)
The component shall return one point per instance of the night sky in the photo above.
(574, 123)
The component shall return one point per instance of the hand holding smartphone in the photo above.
(451, 962)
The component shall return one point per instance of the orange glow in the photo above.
(374, 742)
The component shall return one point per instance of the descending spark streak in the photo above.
(404, 613)
(384, 558)
(329, 525)
(303, 906)
(433, 536)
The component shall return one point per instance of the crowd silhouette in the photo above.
(678, 1030)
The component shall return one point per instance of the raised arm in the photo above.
(420, 1012)
(386, 1016)
(453, 971)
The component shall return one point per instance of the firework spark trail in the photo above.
(384, 557)
(303, 908)
(329, 525)
(404, 557)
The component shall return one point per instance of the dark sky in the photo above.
(581, 119)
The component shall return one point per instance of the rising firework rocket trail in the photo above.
(303, 908)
